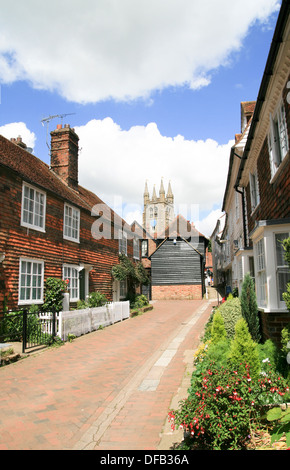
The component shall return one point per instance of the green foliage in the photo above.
(244, 350)
(284, 356)
(235, 292)
(140, 301)
(268, 352)
(71, 337)
(125, 269)
(282, 424)
(217, 354)
(94, 299)
(53, 294)
(221, 407)
(141, 275)
(218, 332)
(286, 296)
(249, 307)
(208, 326)
(232, 383)
(134, 273)
(231, 312)
(286, 246)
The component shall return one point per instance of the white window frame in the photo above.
(122, 242)
(237, 206)
(32, 280)
(136, 248)
(281, 266)
(71, 272)
(71, 223)
(278, 138)
(261, 277)
(144, 248)
(34, 206)
(123, 289)
(254, 190)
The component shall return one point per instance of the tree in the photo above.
(218, 331)
(244, 351)
(250, 307)
(134, 273)
(53, 295)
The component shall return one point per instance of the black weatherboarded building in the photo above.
(178, 263)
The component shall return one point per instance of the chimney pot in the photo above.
(59, 126)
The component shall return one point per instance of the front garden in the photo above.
(240, 386)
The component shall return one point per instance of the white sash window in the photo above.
(278, 139)
(33, 208)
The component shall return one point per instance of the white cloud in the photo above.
(15, 129)
(207, 225)
(115, 165)
(99, 49)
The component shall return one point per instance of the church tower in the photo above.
(158, 212)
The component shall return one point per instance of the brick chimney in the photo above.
(64, 154)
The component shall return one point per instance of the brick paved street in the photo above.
(107, 390)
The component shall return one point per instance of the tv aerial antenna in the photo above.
(47, 121)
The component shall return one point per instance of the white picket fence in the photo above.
(80, 322)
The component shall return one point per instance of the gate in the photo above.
(38, 329)
(33, 329)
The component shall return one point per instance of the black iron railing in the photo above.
(33, 329)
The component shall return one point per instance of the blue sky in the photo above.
(154, 92)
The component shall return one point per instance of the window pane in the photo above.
(280, 252)
(33, 207)
(30, 278)
(283, 279)
(71, 222)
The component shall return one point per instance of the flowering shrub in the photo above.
(53, 295)
(222, 406)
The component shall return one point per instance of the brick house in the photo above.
(178, 263)
(262, 176)
(265, 174)
(50, 226)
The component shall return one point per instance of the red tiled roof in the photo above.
(35, 171)
(248, 106)
(174, 228)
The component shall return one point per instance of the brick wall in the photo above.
(274, 197)
(177, 292)
(50, 247)
(272, 324)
